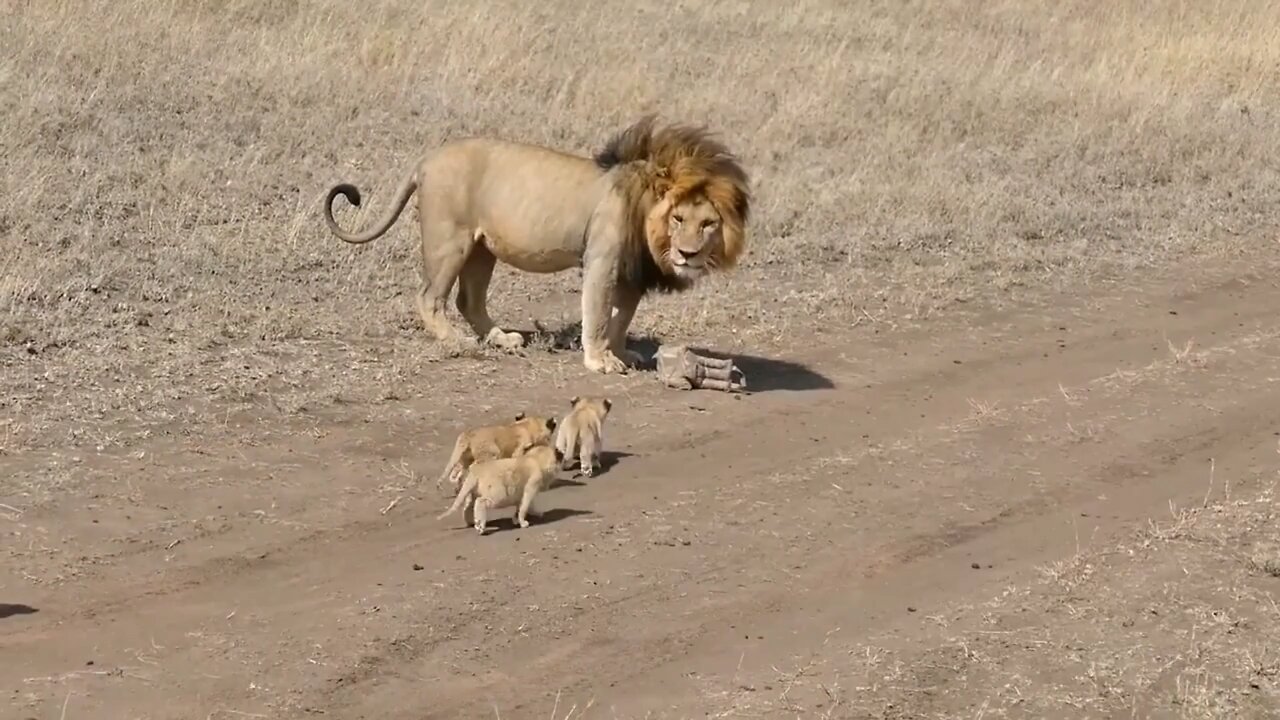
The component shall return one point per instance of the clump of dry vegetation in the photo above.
(163, 164)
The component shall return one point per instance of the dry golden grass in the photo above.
(163, 164)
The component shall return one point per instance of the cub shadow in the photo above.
(608, 458)
(554, 515)
(506, 523)
(8, 610)
(763, 374)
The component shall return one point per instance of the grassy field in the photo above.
(164, 162)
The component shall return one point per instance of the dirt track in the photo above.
(727, 536)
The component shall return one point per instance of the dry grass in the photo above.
(163, 164)
(1179, 620)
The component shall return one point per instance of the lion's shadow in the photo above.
(8, 610)
(763, 374)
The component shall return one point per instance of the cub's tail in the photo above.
(463, 492)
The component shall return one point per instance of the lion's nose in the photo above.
(686, 254)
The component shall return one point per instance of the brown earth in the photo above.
(884, 486)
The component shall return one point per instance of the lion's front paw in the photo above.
(605, 362)
(504, 340)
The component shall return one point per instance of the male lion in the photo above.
(656, 209)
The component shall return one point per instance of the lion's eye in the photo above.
(677, 219)
(707, 223)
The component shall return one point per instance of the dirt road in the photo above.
(289, 568)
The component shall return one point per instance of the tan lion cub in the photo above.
(495, 484)
(583, 429)
(494, 442)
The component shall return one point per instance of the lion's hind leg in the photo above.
(445, 247)
(473, 290)
(468, 512)
(566, 443)
(588, 454)
(526, 507)
(480, 513)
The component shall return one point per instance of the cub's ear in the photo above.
(519, 416)
(573, 400)
(608, 404)
(551, 423)
(559, 455)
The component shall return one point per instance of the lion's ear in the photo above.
(519, 416)
(608, 404)
(573, 400)
(551, 423)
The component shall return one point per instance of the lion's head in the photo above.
(690, 201)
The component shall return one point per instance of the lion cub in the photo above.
(583, 427)
(495, 442)
(494, 484)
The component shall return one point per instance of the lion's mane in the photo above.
(670, 163)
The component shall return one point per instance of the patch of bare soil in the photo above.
(939, 520)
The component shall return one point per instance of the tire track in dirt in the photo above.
(590, 654)
(302, 584)
(895, 399)
(1170, 463)
(900, 385)
(940, 577)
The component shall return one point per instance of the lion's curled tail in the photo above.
(407, 186)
